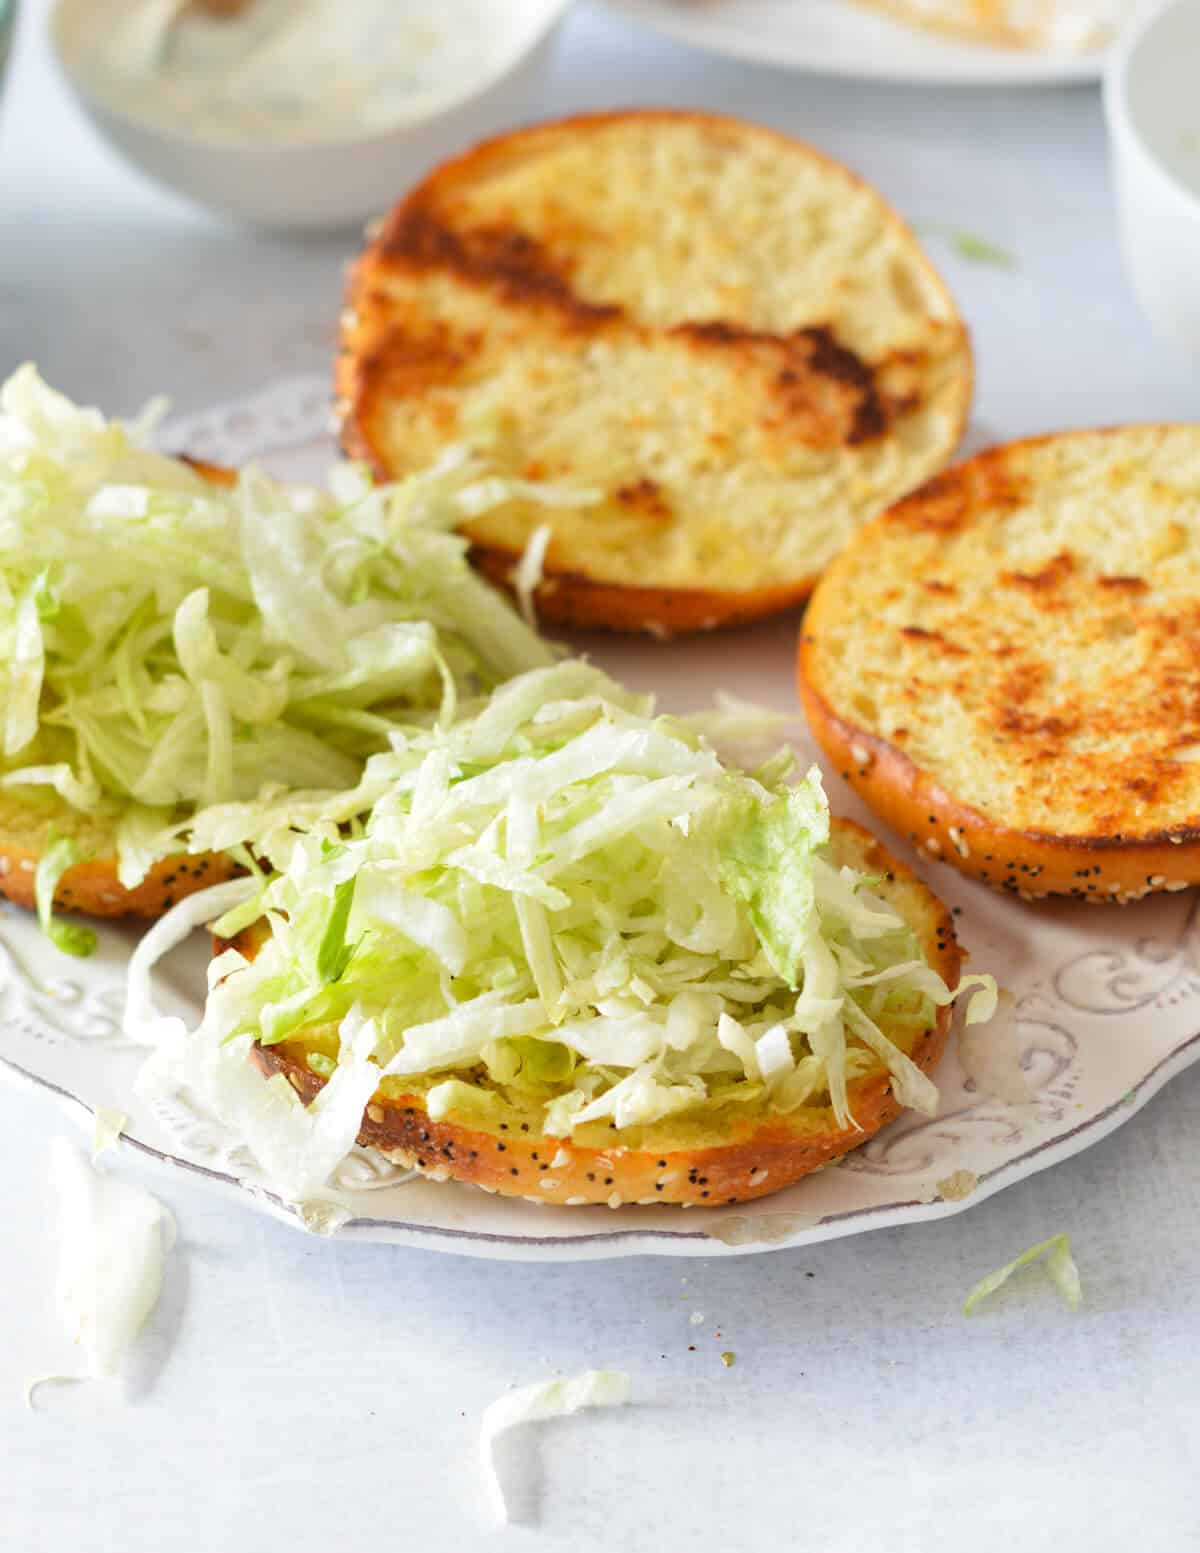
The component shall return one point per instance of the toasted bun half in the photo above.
(709, 1160)
(732, 342)
(30, 817)
(1040, 25)
(1005, 665)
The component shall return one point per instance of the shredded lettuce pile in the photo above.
(169, 644)
(567, 905)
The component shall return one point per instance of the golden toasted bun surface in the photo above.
(732, 341)
(703, 1160)
(1005, 665)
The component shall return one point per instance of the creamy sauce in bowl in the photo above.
(288, 71)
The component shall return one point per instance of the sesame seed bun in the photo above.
(706, 1160)
(1004, 666)
(29, 817)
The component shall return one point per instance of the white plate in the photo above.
(1108, 1004)
(837, 37)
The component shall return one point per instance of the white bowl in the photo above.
(321, 184)
(1152, 100)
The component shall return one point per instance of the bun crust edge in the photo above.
(571, 599)
(93, 889)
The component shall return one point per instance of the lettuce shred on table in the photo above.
(169, 643)
(563, 904)
(536, 1403)
(113, 1250)
(1053, 1254)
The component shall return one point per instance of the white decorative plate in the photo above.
(1108, 1004)
(837, 37)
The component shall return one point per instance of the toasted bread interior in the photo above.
(731, 342)
(1024, 629)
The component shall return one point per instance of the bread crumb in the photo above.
(957, 1185)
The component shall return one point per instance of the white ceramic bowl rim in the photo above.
(1121, 61)
(519, 47)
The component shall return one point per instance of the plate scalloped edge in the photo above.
(633, 1241)
(840, 38)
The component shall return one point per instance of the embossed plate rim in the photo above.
(647, 1242)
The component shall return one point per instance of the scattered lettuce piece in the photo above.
(108, 1125)
(73, 938)
(528, 572)
(533, 1404)
(978, 250)
(115, 1240)
(1055, 1256)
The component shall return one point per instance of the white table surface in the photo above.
(293, 1394)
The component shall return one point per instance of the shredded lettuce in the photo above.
(533, 1404)
(333, 952)
(171, 644)
(1053, 1254)
(107, 1128)
(71, 937)
(566, 905)
(527, 574)
(115, 1239)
